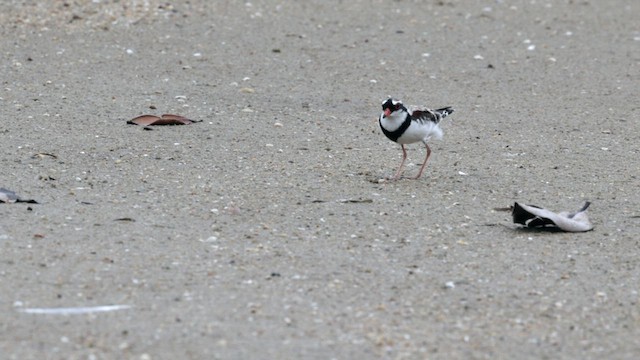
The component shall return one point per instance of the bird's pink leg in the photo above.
(424, 164)
(404, 157)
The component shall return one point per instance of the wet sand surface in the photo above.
(264, 232)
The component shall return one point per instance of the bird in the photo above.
(407, 127)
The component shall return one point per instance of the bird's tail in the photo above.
(444, 112)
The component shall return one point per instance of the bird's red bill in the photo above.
(387, 112)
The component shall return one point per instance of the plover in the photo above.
(408, 127)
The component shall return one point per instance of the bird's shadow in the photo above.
(387, 179)
(531, 230)
(537, 230)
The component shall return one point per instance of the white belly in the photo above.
(420, 132)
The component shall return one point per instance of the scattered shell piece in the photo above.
(355, 201)
(8, 196)
(165, 119)
(210, 239)
(536, 217)
(43, 155)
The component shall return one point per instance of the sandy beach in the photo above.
(263, 232)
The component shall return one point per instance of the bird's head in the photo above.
(390, 106)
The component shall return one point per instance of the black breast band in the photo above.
(394, 135)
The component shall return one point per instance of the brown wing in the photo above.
(425, 115)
